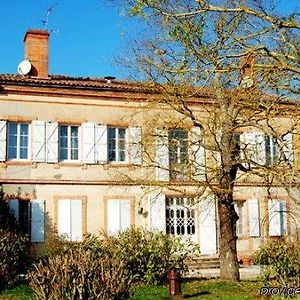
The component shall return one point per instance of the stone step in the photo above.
(203, 262)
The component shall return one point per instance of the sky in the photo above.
(86, 36)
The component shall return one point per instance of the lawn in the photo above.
(192, 289)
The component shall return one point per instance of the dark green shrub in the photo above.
(13, 255)
(281, 261)
(149, 254)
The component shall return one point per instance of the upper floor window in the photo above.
(68, 142)
(116, 144)
(178, 153)
(18, 139)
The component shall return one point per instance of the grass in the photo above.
(192, 289)
(204, 289)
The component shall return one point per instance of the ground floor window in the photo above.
(30, 216)
(180, 216)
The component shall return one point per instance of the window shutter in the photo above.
(39, 141)
(14, 207)
(208, 226)
(64, 218)
(198, 153)
(288, 149)
(113, 217)
(135, 145)
(101, 144)
(253, 213)
(2, 140)
(52, 142)
(88, 138)
(125, 210)
(37, 220)
(76, 220)
(162, 155)
(274, 218)
(157, 213)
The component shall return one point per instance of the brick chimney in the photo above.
(36, 51)
(247, 72)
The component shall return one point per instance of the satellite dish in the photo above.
(24, 67)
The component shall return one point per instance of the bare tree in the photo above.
(222, 67)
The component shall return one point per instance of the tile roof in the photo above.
(77, 82)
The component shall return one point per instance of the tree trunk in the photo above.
(229, 269)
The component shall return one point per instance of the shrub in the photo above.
(80, 273)
(149, 254)
(103, 267)
(281, 259)
(53, 245)
(13, 255)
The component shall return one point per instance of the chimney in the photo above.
(247, 72)
(36, 51)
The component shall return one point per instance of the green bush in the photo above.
(281, 261)
(103, 267)
(13, 255)
(149, 254)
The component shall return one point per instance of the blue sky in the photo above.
(85, 38)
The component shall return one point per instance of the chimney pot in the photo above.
(36, 51)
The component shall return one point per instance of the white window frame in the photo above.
(18, 141)
(117, 158)
(69, 159)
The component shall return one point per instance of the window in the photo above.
(239, 224)
(30, 216)
(18, 137)
(178, 153)
(180, 216)
(272, 151)
(116, 144)
(68, 142)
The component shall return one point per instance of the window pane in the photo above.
(23, 141)
(74, 142)
(122, 133)
(63, 142)
(112, 144)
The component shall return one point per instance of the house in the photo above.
(72, 160)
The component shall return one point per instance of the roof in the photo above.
(62, 81)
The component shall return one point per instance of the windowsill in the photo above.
(117, 164)
(16, 162)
